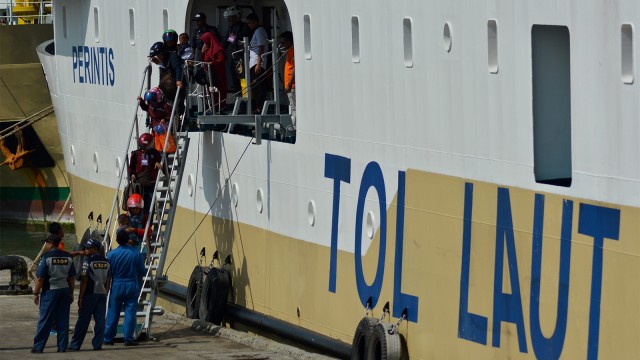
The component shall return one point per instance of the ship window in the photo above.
(96, 24)
(551, 74)
(627, 53)
(307, 36)
(64, 21)
(165, 19)
(132, 27)
(447, 37)
(492, 40)
(355, 39)
(408, 42)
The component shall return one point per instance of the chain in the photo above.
(385, 311)
(394, 327)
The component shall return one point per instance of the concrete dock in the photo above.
(176, 337)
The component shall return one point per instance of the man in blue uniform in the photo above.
(92, 300)
(126, 269)
(55, 278)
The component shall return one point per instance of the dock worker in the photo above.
(92, 299)
(127, 268)
(53, 291)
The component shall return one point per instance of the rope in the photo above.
(26, 122)
(226, 182)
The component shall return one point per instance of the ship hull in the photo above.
(413, 180)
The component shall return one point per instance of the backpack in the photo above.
(133, 187)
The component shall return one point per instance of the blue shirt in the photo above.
(55, 268)
(126, 264)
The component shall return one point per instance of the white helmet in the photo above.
(232, 11)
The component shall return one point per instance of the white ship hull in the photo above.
(443, 123)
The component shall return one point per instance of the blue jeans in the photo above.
(92, 305)
(54, 304)
(122, 292)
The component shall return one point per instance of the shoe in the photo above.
(108, 342)
(97, 349)
(53, 332)
(34, 351)
(130, 343)
(72, 349)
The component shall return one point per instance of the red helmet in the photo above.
(145, 139)
(134, 201)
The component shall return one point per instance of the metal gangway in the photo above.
(161, 214)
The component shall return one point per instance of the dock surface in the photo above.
(176, 337)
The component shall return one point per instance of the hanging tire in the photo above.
(383, 345)
(362, 338)
(194, 290)
(213, 301)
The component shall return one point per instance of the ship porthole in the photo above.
(370, 224)
(311, 212)
(95, 161)
(235, 194)
(446, 37)
(73, 155)
(118, 165)
(190, 185)
(259, 197)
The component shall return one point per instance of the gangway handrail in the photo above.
(122, 169)
(163, 162)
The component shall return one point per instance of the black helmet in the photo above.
(92, 244)
(170, 35)
(156, 49)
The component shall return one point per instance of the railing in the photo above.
(20, 12)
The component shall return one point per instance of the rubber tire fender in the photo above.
(194, 289)
(362, 338)
(213, 301)
(383, 345)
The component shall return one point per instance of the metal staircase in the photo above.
(161, 216)
(163, 209)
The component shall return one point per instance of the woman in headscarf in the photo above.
(213, 52)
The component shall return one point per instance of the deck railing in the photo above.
(21, 12)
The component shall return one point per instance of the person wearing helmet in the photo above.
(201, 29)
(127, 268)
(156, 107)
(213, 52)
(170, 40)
(236, 31)
(144, 164)
(171, 74)
(137, 223)
(92, 300)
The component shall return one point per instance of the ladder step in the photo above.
(156, 244)
(154, 256)
(162, 222)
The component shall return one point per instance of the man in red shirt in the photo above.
(144, 164)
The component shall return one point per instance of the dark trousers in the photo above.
(54, 304)
(259, 84)
(93, 305)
